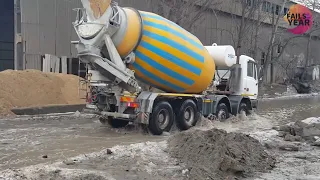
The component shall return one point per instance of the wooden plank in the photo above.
(57, 68)
(46, 63)
(52, 63)
(64, 64)
(70, 65)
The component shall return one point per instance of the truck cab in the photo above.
(249, 81)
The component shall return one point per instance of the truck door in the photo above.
(251, 80)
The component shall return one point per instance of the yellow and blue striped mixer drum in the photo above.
(167, 56)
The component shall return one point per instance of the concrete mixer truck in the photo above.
(124, 48)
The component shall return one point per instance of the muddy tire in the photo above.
(244, 107)
(161, 119)
(222, 112)
(187, 115)
(114, 123)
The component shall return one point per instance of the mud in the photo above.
(137, 161)
(25, 141)
(188, 155)
(216, 154)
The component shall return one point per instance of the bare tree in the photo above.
(314, 5)
(249, 12)
(256, 32)
(275, 19)
(185, 13)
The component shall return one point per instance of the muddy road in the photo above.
(29, 141)
(26, 141)
(285, 110)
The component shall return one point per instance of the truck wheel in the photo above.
(244, 107)
(161, 118)
(187, 115)
(222, 112)
(114, 123)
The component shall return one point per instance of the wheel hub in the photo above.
(163, 119)
(186, 115)
(189, 114)
(222, 114)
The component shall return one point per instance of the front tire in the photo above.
(161, 119)
(222, 112)
(187, 115)
(244, 107)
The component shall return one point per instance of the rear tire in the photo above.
(187, 115)
(222, 112)
(161, 119)
(113, 122)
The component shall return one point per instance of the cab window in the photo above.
(255, 71)
(250, 69)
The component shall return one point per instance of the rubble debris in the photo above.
(109, 151)
(77, 114)
(317, 143)
(69, 162)
(289, 137)
(289, 147)
(308, 129)
(216, 153)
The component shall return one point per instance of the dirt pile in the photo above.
(34, 88)
(216, 154)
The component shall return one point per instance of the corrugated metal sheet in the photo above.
(73, 4)
(33, 61)
(47, 28)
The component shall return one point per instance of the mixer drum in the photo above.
(170, 58)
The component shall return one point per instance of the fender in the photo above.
(235, 103)
(221, 99)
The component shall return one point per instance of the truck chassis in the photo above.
(159, 111)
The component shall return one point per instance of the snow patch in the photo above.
(312, 120)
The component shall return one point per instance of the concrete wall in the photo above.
(47, 28)
(6, 35)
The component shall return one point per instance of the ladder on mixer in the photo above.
(83, 83)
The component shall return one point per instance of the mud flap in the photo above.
(143, 118)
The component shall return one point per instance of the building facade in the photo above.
(45, 27)
(6, 35)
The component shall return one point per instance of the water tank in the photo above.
(224, 56)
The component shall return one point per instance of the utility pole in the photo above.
(18, 45)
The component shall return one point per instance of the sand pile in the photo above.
(216, 154)
(34, 88)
